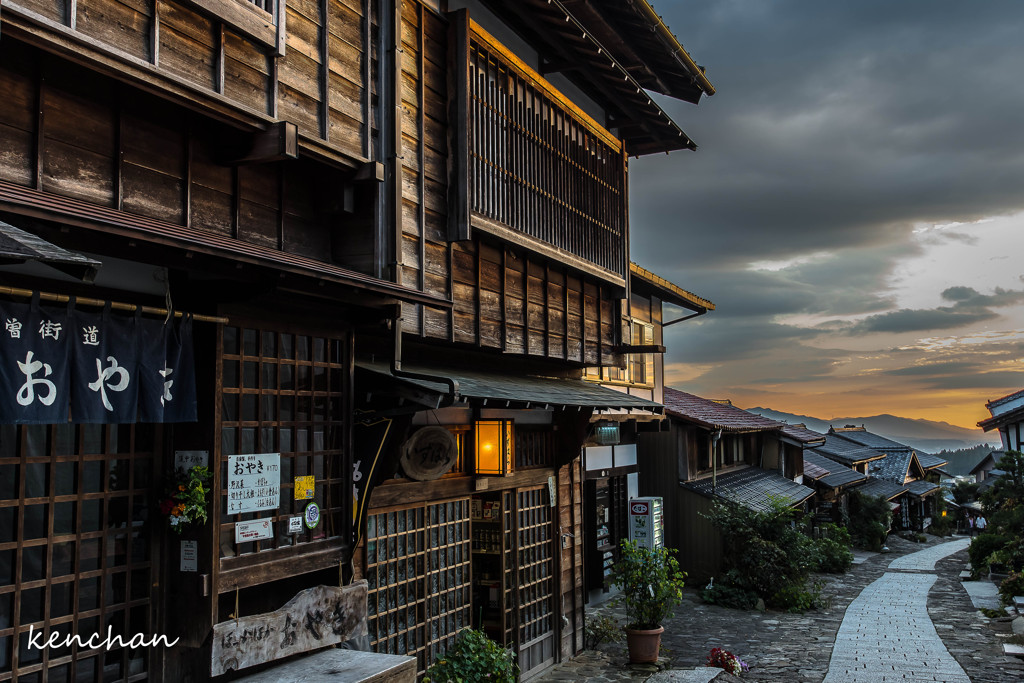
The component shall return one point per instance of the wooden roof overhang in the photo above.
(68, 211)
(668, 291)
(567, 45)
(645, 46)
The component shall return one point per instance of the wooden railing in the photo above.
(539, 165)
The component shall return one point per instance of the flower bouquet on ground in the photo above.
(185, 502)
(723, 659)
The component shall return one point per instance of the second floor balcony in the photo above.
(539, 166)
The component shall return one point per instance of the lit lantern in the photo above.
(494, 447)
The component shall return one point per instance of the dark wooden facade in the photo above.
(312, 176)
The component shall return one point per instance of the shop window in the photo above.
(286, 394)
(418, 575)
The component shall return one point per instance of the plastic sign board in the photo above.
(645, 522)
(255, 530)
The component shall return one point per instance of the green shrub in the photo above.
(474, 657)
(1011, 586)
(729, 596)
(797, 598)
(600, 628)
(832, 551)
(982, 547)
(870, 517)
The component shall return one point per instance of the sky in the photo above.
(855, 207)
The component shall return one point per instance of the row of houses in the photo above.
(366, 261)
(714, 450)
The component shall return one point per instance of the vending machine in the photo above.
(646, 522)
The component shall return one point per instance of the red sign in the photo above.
(638, 508)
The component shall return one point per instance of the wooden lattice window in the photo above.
(535, 580)
(76, 517)
(287, 393)
(418, 571)
(535, 446)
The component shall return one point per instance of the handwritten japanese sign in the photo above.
(186, 460)
(254, 482)
(35, 364)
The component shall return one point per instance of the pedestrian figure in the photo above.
(981, 524)
(970, 525)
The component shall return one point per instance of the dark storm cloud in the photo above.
(836, 131)
(970, 307)
(835, 125)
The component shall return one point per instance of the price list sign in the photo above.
(254, 482)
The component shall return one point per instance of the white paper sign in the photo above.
(254, 482)
(256, 530)
(294, 525)
(186, 460)
(189, 556)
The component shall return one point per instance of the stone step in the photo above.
(1014, 650)
(965, 575)
(1018, 602)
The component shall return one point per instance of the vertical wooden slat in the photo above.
(154, 32)
(459, 119)
(220, 58)
(40, 138)
(367, 79)
(325, 68)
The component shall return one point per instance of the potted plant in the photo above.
(186, 499)
(651, 586)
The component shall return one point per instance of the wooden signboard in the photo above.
(315, 618)
(429, 453)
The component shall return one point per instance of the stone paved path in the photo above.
(797, 648)
(887, 635)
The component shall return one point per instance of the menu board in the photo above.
(254, 482)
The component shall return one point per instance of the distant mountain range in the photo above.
(923, 435)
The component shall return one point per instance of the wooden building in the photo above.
(1007, 417)
(380, 217)
(901, 465)
(610, 459)
(711, 450)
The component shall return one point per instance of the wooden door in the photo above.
(535, 569)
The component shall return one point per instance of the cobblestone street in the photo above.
(799, 647)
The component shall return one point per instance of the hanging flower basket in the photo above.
(185, 502)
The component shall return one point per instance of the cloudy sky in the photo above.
(855, 209)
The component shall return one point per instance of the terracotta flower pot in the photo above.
(644, 645)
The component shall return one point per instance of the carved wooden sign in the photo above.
(429, 453)
(315, 618)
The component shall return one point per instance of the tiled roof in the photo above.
(881, 487)
(996, 456)
(812, 470)
(835, 475)
(1005, 399)
(929, 461)
(921, 488)
(753, 488)
(714, 415)
(802, 434)
(845, 452)
(892, 468)
(876, 441)
(1010, 416)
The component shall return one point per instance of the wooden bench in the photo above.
(339, 666)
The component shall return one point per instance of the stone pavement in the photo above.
(887, 635)
(797, 648)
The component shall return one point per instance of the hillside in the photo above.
(924, 435)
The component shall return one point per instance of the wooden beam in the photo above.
(461, 125)
(277, 143)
